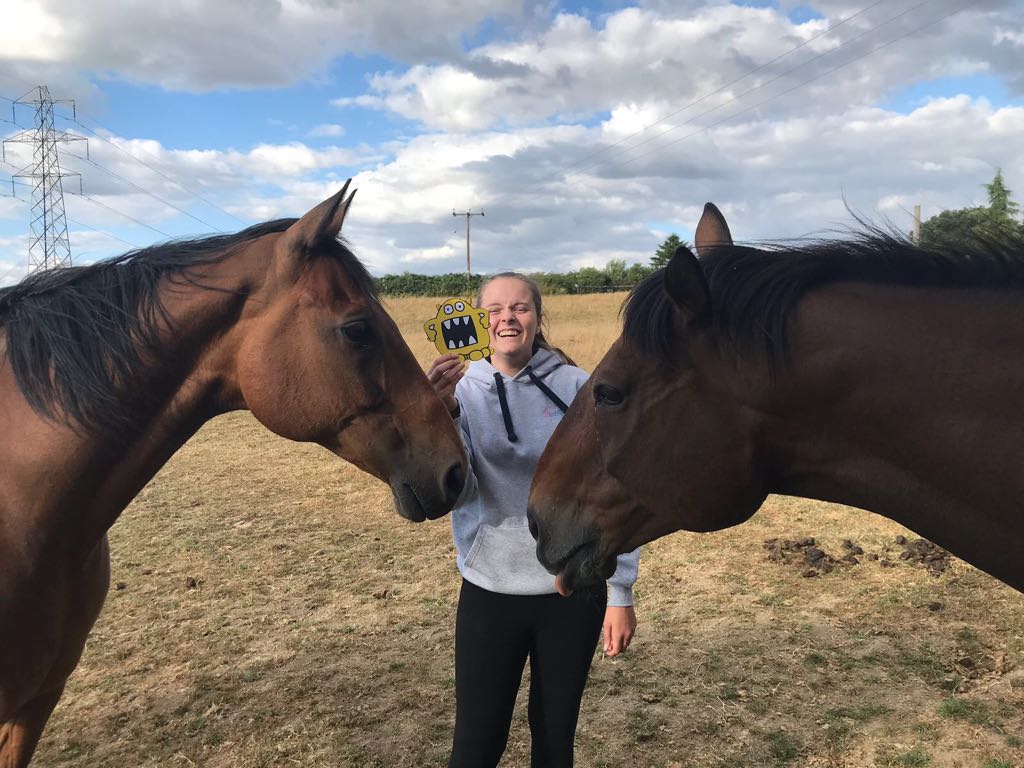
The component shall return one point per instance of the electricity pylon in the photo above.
(49, 246)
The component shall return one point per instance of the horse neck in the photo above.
(95, 478)
(906, 402)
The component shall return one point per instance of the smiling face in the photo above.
(514, 322)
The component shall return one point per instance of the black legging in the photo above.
(494, 635)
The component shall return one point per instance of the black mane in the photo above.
(755, 290)
(83, 341)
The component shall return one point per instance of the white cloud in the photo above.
(544, 130)
(654, 64)
(329, 129)
(187, 45)
(32, 33)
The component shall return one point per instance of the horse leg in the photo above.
(20, 734)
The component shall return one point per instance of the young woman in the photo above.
(506, 408)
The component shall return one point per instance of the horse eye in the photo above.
(358, 332)
(605, 394)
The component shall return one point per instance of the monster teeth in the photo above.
(446, 323)
(462, 343)
(472, 340)
(451, 345)
(465, 321)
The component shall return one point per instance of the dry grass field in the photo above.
(269, 608)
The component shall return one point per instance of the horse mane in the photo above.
(82, 340)
(754, 290)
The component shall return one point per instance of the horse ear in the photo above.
(321, 224)
(712, 231)
(685, 284)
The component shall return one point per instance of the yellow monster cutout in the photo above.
(460, 329)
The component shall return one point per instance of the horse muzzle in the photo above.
(418, 501)
(572, 552)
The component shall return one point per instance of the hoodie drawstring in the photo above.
(544, 388)
(506, 415)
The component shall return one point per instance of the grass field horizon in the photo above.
(268, 607)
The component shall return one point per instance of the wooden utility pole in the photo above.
(467, 214)
(917, 225)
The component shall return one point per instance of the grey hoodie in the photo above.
(495, 548)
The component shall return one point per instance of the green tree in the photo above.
(616, 271)
(995, 221)
(999, 201)
(666, 249)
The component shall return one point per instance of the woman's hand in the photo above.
(619, 626)
(444, 374)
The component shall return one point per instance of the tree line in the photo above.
(616, 275)
(998, 219)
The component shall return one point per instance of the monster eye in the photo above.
(447, 309)
(459, 306)
(357, 332)
(605, 394)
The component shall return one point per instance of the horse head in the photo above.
(320, 360)
(628, 463)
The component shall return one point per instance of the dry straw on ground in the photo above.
(269, 608)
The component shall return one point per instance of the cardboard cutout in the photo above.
(460, 329)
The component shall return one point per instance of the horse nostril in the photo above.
(454, 480)
(532, 523)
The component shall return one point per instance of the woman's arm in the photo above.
(619, 617)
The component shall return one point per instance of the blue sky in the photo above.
(527, 109)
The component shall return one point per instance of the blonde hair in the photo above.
(539, 341)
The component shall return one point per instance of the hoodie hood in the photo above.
(543, 362)
(534, 372)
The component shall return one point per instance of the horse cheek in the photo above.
(271, 379)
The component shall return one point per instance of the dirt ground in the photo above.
(269, 608)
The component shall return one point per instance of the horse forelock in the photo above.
(340, 251)
(649, 318)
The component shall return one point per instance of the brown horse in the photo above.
(106, 370)
(868, 372)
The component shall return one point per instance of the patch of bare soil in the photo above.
(812, 560)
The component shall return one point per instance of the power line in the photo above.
(102, 232)
(451, 237)
(126, 181)
(94, 201)
(802, 84)
(152, 168)
(143, 190)
(79, 223)
(721, 88)
(760, 86)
